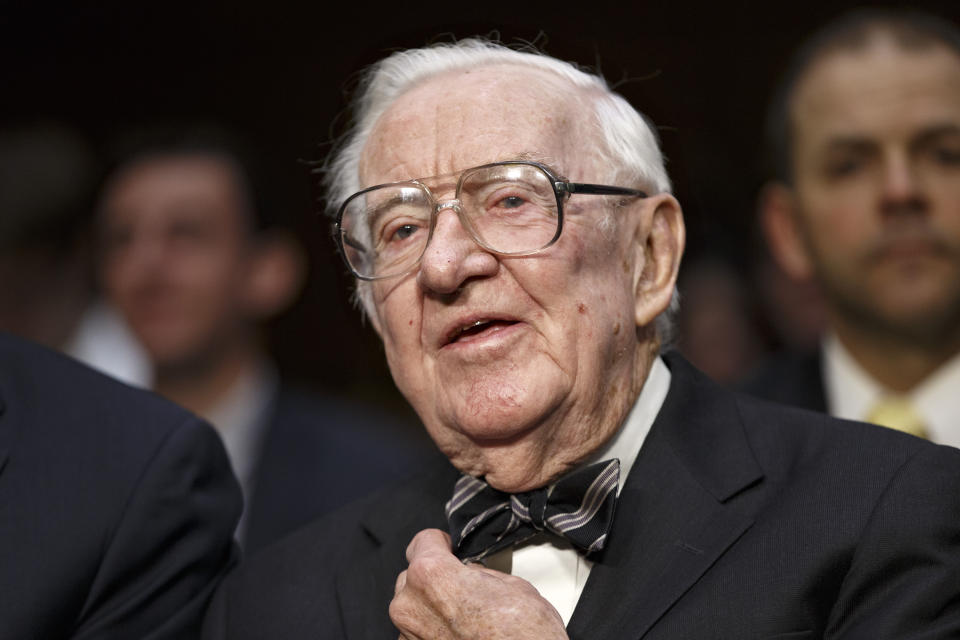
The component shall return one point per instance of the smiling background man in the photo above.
(510, 224)
(865, 134)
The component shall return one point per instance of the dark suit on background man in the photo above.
(792, 378)
(307, 464)
(117, 508)
(712, 537)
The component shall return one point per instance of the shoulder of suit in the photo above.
(53, 391)
(799, 437)
(790, 377)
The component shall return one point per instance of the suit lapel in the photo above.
(677, 512)
(390, 525)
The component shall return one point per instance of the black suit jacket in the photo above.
(791, 378)
(318, 454)
(740, 519)
(117, 508)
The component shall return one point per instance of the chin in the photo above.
(508, 417)
(514, 474)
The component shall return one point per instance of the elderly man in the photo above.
(865, 134)
(510, 223)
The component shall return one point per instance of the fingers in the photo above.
(439, 597)
(429, 542)
(419, 607)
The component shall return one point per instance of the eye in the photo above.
(941, 146)
(843, 167)
(399, 231)
(947, 155)
(190, 231)
(849, 157)
(511, 202)
(510, 198)
(117, 238)
(405, 231)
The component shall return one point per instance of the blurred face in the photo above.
(175, 239)
(518, 367)
(877, 185)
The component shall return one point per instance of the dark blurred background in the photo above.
(279, 74)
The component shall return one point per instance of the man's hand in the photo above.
(440, 598)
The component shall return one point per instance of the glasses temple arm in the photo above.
(598, 189)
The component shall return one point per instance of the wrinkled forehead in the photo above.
(461, 119)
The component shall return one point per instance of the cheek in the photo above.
(221, 285)
(117, 277)
(602, 306)
(399, 314)
(838, 224)
(945, 207)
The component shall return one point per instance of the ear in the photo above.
(659, 242)
(276, 275)
(780, 223)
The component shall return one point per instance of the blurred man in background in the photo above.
(48, 175)
(865, 134)
(190, 263)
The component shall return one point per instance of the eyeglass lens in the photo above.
(509, 208)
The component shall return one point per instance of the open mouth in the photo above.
(478, 329)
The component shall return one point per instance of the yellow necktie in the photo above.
(896, 412)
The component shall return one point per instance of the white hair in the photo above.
(630, 145)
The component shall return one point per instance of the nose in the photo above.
(452, 256)
(139, 257)
(902, 191)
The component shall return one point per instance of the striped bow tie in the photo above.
(578, 507)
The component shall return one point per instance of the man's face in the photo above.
(877, 185)
(554, 363)
(175, 248)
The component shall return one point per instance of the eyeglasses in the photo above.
(512, 208)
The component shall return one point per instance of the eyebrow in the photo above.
(864, 142)
(523, 156)
(530, 156)
(849, 142)
(382, 207)
(931, 133)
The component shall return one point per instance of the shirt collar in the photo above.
(936, 398)
(626, 443)
(852, 392)
(240, 419)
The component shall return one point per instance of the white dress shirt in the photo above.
(104, 341)
(557, 570)
(241, 420)
(852, 392)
